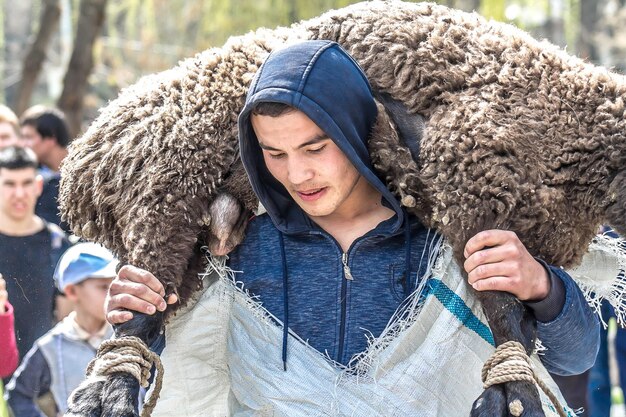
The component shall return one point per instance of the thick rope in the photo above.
(511, 363)
(130, 355)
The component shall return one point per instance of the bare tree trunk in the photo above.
(90, 21)
(555, 25)
(33, 61)
(473, 5)
(292, 12)
(589, 16)
(17, 18)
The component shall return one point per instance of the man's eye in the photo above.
(276, 155)
(317, 150)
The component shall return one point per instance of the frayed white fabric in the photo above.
(601, 275)
(223, 358)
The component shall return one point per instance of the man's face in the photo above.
(19, 190)
(33, 140)
(8, 136)
(315, 172)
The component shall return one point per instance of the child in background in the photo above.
(58, 360)
(8, 348)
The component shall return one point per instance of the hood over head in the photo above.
(321, 80)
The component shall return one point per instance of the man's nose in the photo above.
(299, 171)
(20, 192)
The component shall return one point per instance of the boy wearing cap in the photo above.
(58, 360)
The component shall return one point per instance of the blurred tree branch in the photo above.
(33, 62)
(75, 83)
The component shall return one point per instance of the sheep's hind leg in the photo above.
(509, 320)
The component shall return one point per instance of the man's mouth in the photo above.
(19, 206)
(312, 194)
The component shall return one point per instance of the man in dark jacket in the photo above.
(336, 255)
(29, 246)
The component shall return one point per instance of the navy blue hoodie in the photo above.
(298, 270)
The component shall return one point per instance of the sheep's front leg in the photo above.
(509, 321)
(116, 394)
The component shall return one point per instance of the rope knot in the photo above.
(130, 355)
(509, 363)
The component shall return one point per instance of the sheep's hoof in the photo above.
(511, 399)
(491, 403)
(117, 396)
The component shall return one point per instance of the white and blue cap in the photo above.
(83, 261)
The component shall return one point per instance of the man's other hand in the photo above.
(138, 290)
(496, 260)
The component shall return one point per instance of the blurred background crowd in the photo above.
(64, 59)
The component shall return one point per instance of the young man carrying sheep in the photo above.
(335, 256)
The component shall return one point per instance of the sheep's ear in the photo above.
(410, 126)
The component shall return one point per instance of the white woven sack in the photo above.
(223, 358)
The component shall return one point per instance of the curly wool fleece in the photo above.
(519, 135)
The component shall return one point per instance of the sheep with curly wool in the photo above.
(519, 135)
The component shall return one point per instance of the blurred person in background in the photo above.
(9, 128)
(30, 246)
(45, 131)
(57, 361)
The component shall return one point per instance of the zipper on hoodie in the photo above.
(346, 269)
(348, 277)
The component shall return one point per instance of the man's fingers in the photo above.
(130, 302)
(485, 271)
(129, 295)
(141, 276)
(487, 238)
(493, 284)
(120, 289)
(489, 256)
(172, 299)
(119, 316)
(118, 306)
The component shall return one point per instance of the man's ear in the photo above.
(39, 184)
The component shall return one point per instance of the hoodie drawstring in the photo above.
(283, 258)
(407, 255)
